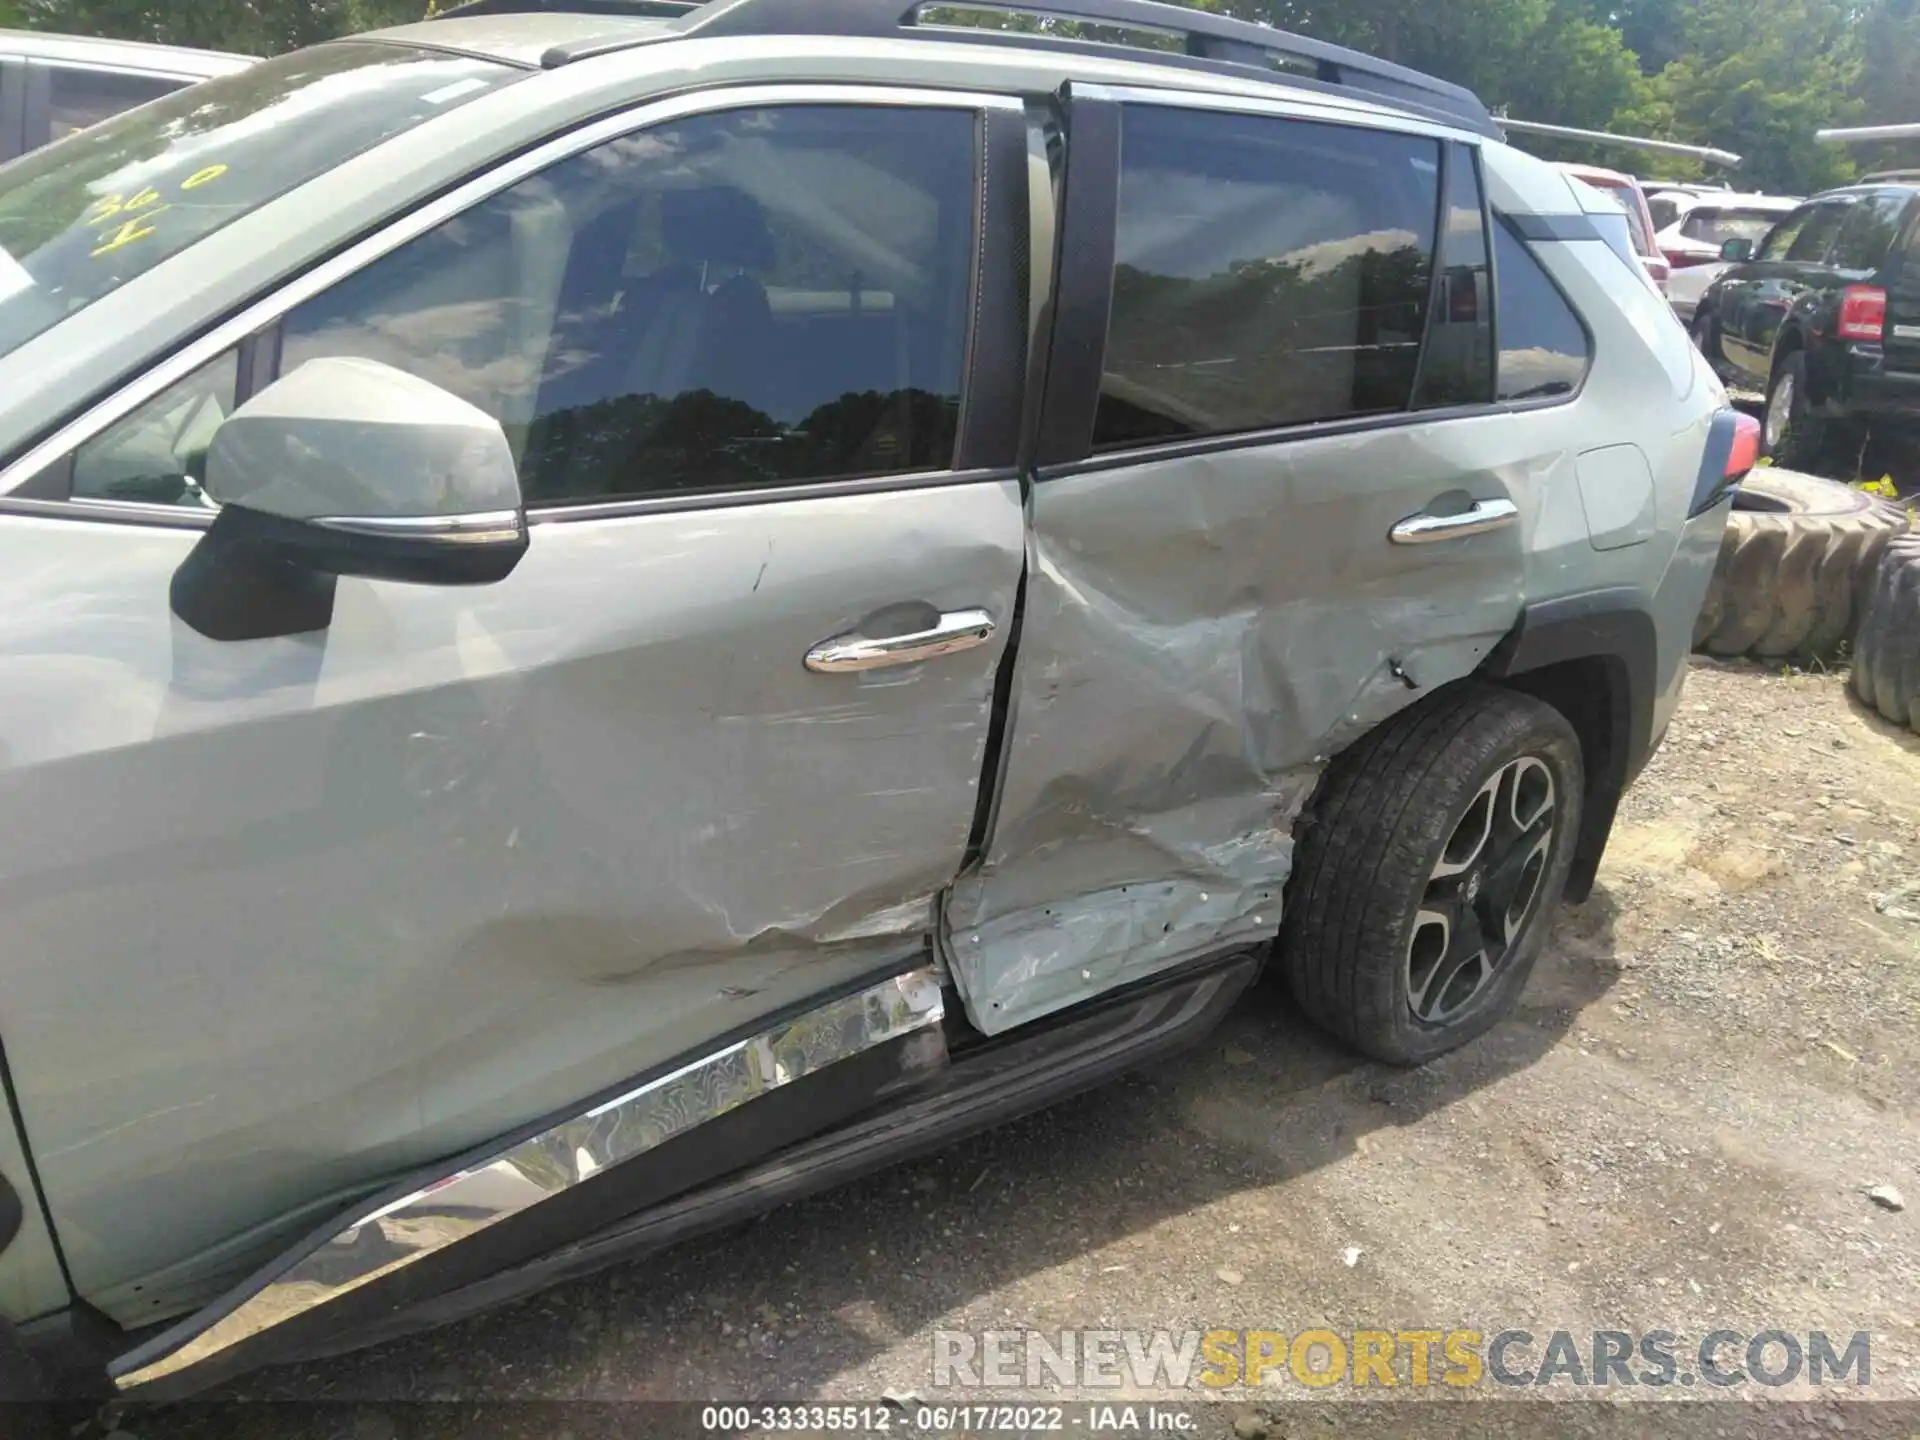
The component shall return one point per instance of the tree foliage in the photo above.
(1754, 76)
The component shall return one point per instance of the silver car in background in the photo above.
(53, 85)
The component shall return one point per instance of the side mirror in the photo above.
(347, 467)
(1736, 250)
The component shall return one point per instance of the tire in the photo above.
(1886, 656)
(1790, 431)
(1358, 929)
(1794, 566)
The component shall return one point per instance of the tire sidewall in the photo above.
(1552, 741)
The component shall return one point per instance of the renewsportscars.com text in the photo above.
(1318, 1359)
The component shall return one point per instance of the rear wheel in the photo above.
(1427, 876)
(1792, 432)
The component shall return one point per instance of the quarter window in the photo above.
(1267, 272)
(733, 300)
(1543, 346)
(158, 454)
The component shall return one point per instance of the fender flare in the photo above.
(1613, 630)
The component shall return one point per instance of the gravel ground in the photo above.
(1715, 1061)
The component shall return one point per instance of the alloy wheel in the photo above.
(1482, 890)
(1779, 410)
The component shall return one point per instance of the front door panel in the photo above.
(288, 917)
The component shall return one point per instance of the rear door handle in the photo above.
(1478, 519)
(955, 631)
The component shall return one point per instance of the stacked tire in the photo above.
(1796, 567)
(1886, 651)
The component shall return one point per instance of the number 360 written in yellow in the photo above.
(136, 212)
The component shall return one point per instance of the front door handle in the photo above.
(1478, 519)
(955, 631)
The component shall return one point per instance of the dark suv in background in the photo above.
(1822, 317)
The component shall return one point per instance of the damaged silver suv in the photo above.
(613, 617)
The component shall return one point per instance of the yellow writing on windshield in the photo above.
(138, 228)
(131, 216)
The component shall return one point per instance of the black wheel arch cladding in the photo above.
(1595, 658)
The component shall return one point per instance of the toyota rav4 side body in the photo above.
(609, 620)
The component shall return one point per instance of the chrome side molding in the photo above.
(377, 1241)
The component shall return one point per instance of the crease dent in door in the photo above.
(1201, 636)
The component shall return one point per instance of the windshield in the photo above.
(87, 214)
(1717, 226)
(1665, 210)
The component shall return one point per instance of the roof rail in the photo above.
(1626, 142)
(1209, 42)
(1880, 175)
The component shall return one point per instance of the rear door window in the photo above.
(1716, 224)
(1268, 272)
(1457, 365)
(78, 98)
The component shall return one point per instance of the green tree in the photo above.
(1760, 77)
(1889, 85)
(256, 26)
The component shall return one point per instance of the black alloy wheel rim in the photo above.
(1482, 891)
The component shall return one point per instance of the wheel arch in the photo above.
(1594, 657)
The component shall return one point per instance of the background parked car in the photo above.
(53, 85)
(1665, 197)
(1701, 225)
(1625, 189)
(1823, 316)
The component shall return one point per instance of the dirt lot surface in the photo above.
(1717, 1058)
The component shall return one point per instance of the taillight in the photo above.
(1744, 453)
(1863, 313)
(1682, 259)
(1733, 449)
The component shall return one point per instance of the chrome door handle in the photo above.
(955, 631)
(1478, 519)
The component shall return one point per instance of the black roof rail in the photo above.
(1209, 42)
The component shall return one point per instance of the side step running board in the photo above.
(848, 1087)
(982, 1088)
(513, 1200)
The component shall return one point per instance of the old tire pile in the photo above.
(1795, 567)
(1886, 650)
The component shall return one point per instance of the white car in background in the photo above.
(1700, 225)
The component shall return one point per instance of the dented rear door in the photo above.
(1215, 602)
